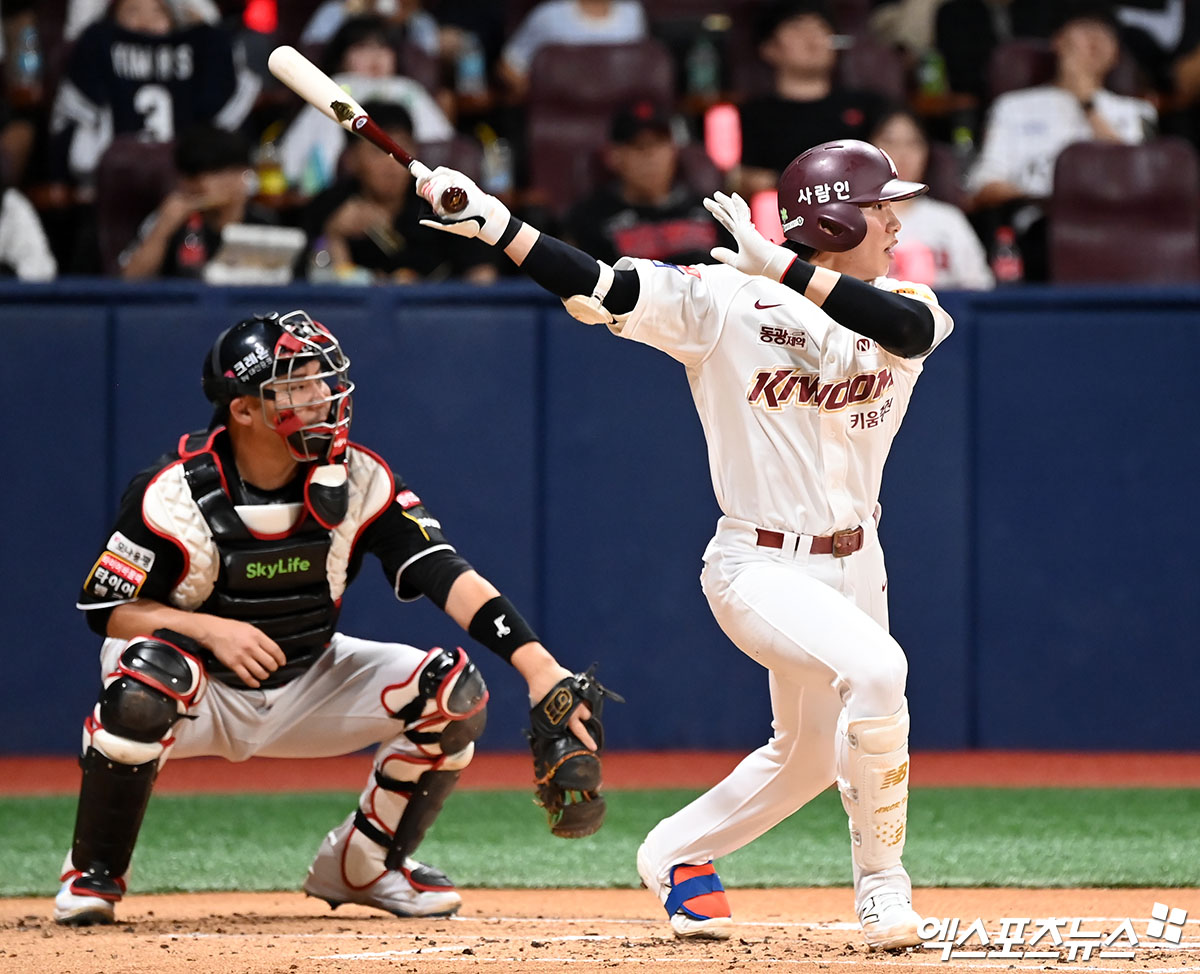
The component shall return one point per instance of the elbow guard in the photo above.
(589, 308)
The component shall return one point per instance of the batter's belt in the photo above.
(839, 544)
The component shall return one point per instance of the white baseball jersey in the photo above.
(1027, 129)
(798, 411)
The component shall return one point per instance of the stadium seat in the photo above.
(573, 92)
(1125, 213)
(1021, 62)
(871, 65)
(132, 178)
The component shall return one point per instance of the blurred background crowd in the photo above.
(146, 138)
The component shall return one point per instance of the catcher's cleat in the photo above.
(889, 922)
(87, 898)
(416, 890)
(694, 899)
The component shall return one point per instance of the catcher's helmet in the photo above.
(822, 189)
(266, 356)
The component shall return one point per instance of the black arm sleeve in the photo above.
(565, 270)
(904, 326)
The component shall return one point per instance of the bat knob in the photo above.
(454, 200)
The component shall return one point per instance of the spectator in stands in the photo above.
(967, 31)
(937, 245)
(82, 13)
(1027, 129)
(363, 59)
(22, 109)
(646, 210)
(138, 71)
(806, 106)
(215, 188)
(366, 227)
(568, 22)
(24, 250)
(414, 25)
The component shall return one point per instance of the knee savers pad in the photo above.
(155, 684)
(873, 780)
(451, 692)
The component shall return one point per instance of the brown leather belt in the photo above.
(839, 544)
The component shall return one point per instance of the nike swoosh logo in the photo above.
(763, 307)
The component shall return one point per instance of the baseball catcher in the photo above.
(568, 773)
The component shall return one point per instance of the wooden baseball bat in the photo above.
(323, 93)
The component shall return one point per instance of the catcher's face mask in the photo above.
(307, 397)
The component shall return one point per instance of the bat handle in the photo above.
(454, 199)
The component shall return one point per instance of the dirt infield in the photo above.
(585, 931)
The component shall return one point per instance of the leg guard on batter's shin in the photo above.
(873, 780)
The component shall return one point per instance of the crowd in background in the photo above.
(135, 133)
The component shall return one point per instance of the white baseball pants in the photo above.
(819, 625)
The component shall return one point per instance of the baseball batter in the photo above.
(219, 590)
(801, 363)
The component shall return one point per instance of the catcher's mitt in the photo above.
(568, 774)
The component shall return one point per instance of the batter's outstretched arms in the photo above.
(596, 293)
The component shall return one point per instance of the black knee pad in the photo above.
(154, 687)
(460, 694)
(459, 733)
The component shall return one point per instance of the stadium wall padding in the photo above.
(1038, 510)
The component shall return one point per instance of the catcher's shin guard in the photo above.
(112, 801)
(873, 781)
(426, 796)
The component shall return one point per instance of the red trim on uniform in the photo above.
(423, 887)
(390, 495)
(412, 676)
(143, 677)
(187, 559)
(342, 865)
(185, 454)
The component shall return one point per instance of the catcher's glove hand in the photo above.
(567, 774)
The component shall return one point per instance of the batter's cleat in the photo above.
(417, 890)
(889, 922)
(87, 898)
(694, 899)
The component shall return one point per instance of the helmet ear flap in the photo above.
(842, 226)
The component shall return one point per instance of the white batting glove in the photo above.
(484, 216)
(755, 254)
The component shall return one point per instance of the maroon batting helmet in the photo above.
(822, 189)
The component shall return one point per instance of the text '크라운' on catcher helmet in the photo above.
(296, 365)
(821, 192)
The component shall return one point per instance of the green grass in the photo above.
(957, 837)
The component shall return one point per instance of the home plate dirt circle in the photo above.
(580, 931)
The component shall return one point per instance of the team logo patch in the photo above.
(407, 499)
(112, 577)
(558, 705)
(135, 554)
(772, 335)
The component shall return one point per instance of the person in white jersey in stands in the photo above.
(801, 360)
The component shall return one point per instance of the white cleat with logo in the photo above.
(889, 922)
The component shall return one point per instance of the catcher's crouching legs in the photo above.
(153, 687)
(368, 858)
